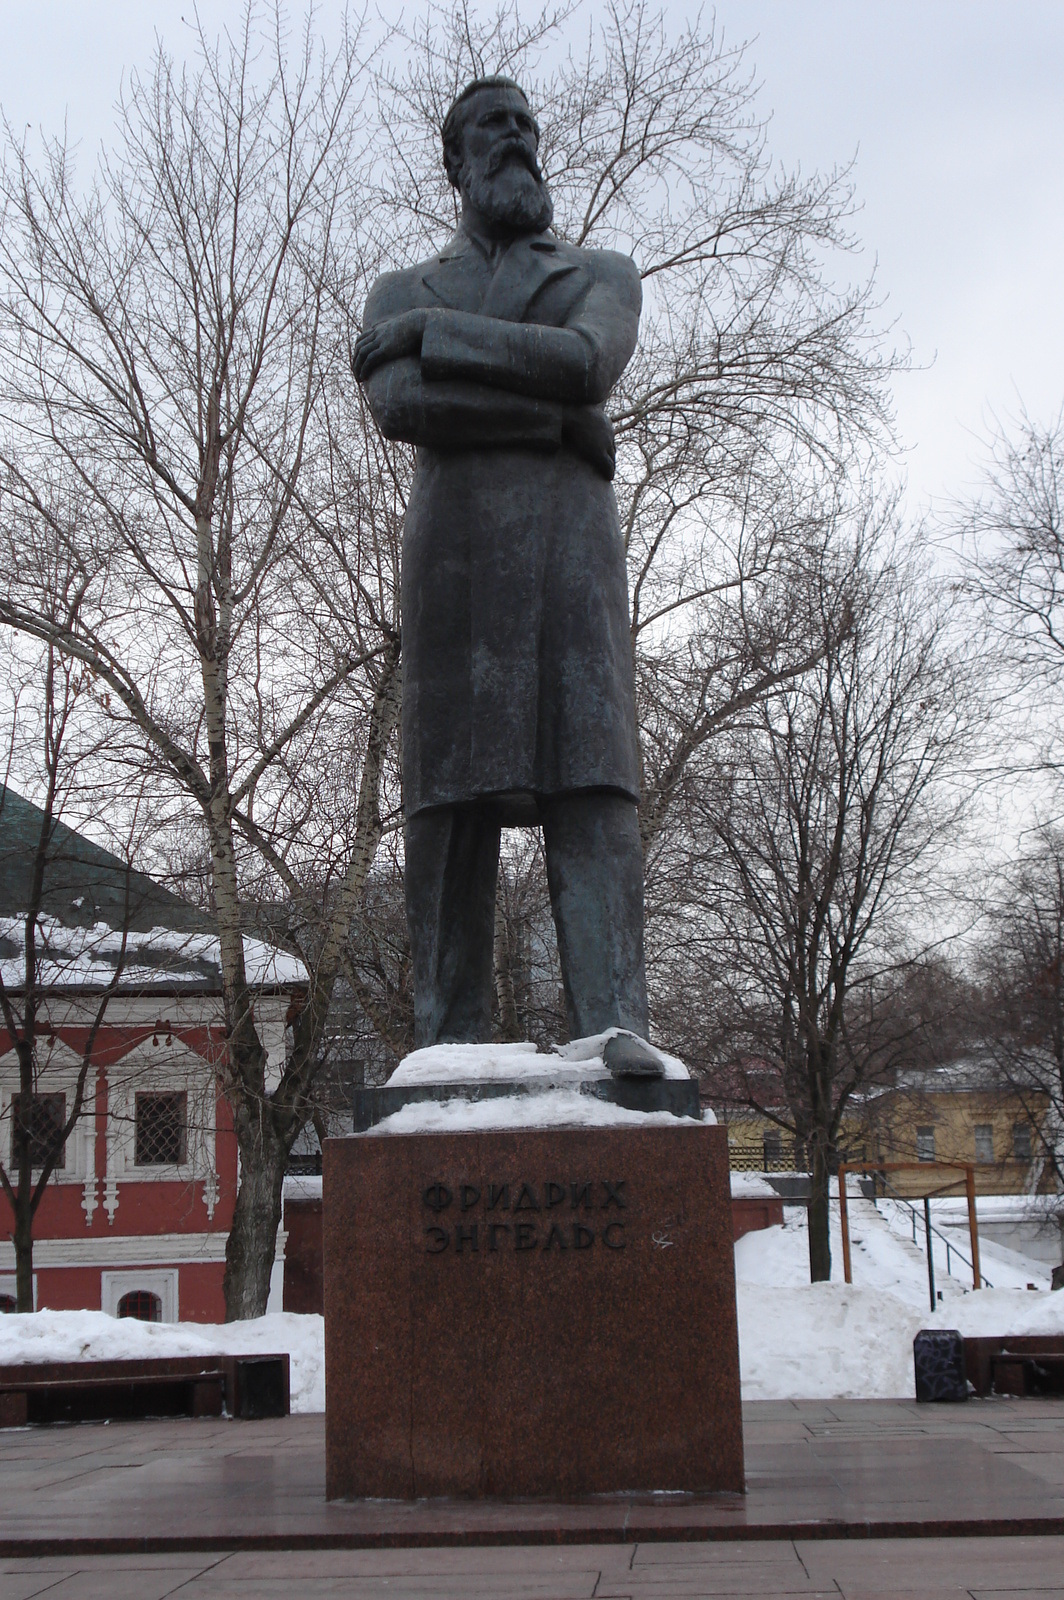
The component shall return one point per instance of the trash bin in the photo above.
(938, 1360)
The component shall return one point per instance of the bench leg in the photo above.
(207, 1397)
(14, 1412)
(1010, 1377)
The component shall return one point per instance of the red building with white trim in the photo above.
(135, 1217)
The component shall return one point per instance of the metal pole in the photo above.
(844, 1219)
(949, 1269)
(930, 1253)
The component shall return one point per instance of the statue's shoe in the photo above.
(628, 1056)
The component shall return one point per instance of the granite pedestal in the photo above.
(545, 1312)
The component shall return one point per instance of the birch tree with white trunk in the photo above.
(175, 335)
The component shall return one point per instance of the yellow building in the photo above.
(952, 1113)
(962, 1113)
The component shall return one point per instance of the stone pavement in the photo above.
(208, 1509)
(913, 1569)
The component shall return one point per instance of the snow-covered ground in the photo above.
(835, 1341)
(797, 1340)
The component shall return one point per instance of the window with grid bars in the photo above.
(161, 1130)
(142, 1305)
(44, 1124)
(1021, 1141)
(8, 1304)
(925, 1144)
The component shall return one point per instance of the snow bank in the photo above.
(555, 1108)
(838, 1341)
(95, 1336)
(824, 1341)
(752, 1186)
(994, 1311)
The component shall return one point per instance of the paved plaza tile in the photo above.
(859, 1499)
(913, 1569)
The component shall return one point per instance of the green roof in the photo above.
(83, 884)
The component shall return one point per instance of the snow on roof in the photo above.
(155, 958)
(971, 1074)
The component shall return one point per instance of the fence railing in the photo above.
(936, 1232)
(753, 1158)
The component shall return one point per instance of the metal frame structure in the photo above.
(916, 1166)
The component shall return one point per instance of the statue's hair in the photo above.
(454, 121)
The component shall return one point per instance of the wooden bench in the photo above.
(167, 1386)
(1031, 1364)
(1019, 1373)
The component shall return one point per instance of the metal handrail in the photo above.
(880, 1169)
(956, 1250)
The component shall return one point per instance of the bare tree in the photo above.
(1013, 543)
(820, 824)
(47, 743)
(1022, 972)
(1015, 533)
(175, 335)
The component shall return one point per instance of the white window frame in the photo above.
(161, 1069)
(58, 1076)
(159, 1280)
(9, 1285)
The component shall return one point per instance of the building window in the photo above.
(925, 1144)
(8, 1304)
(1021, 1141)
(772, 1146)
(46, 1121)
(984, 1142)
(141, 1304)
(162, 1130)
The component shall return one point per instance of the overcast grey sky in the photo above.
(953, 108)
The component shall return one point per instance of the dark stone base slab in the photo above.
(851, 1469)
(534, 1312)
(816, 1470)
(679, 1096)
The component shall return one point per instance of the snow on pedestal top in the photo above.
(485, 1063)
(553, 1108)
(455, 1087)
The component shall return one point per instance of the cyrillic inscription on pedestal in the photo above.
(531, 1313)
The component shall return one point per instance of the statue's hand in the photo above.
(388, 341)
(589, 433)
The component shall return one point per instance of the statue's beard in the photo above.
(512, 196)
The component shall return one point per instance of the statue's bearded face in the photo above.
(499, 173)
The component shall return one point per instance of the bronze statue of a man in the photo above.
(495, 358)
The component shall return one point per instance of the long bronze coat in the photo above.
(517, 675)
